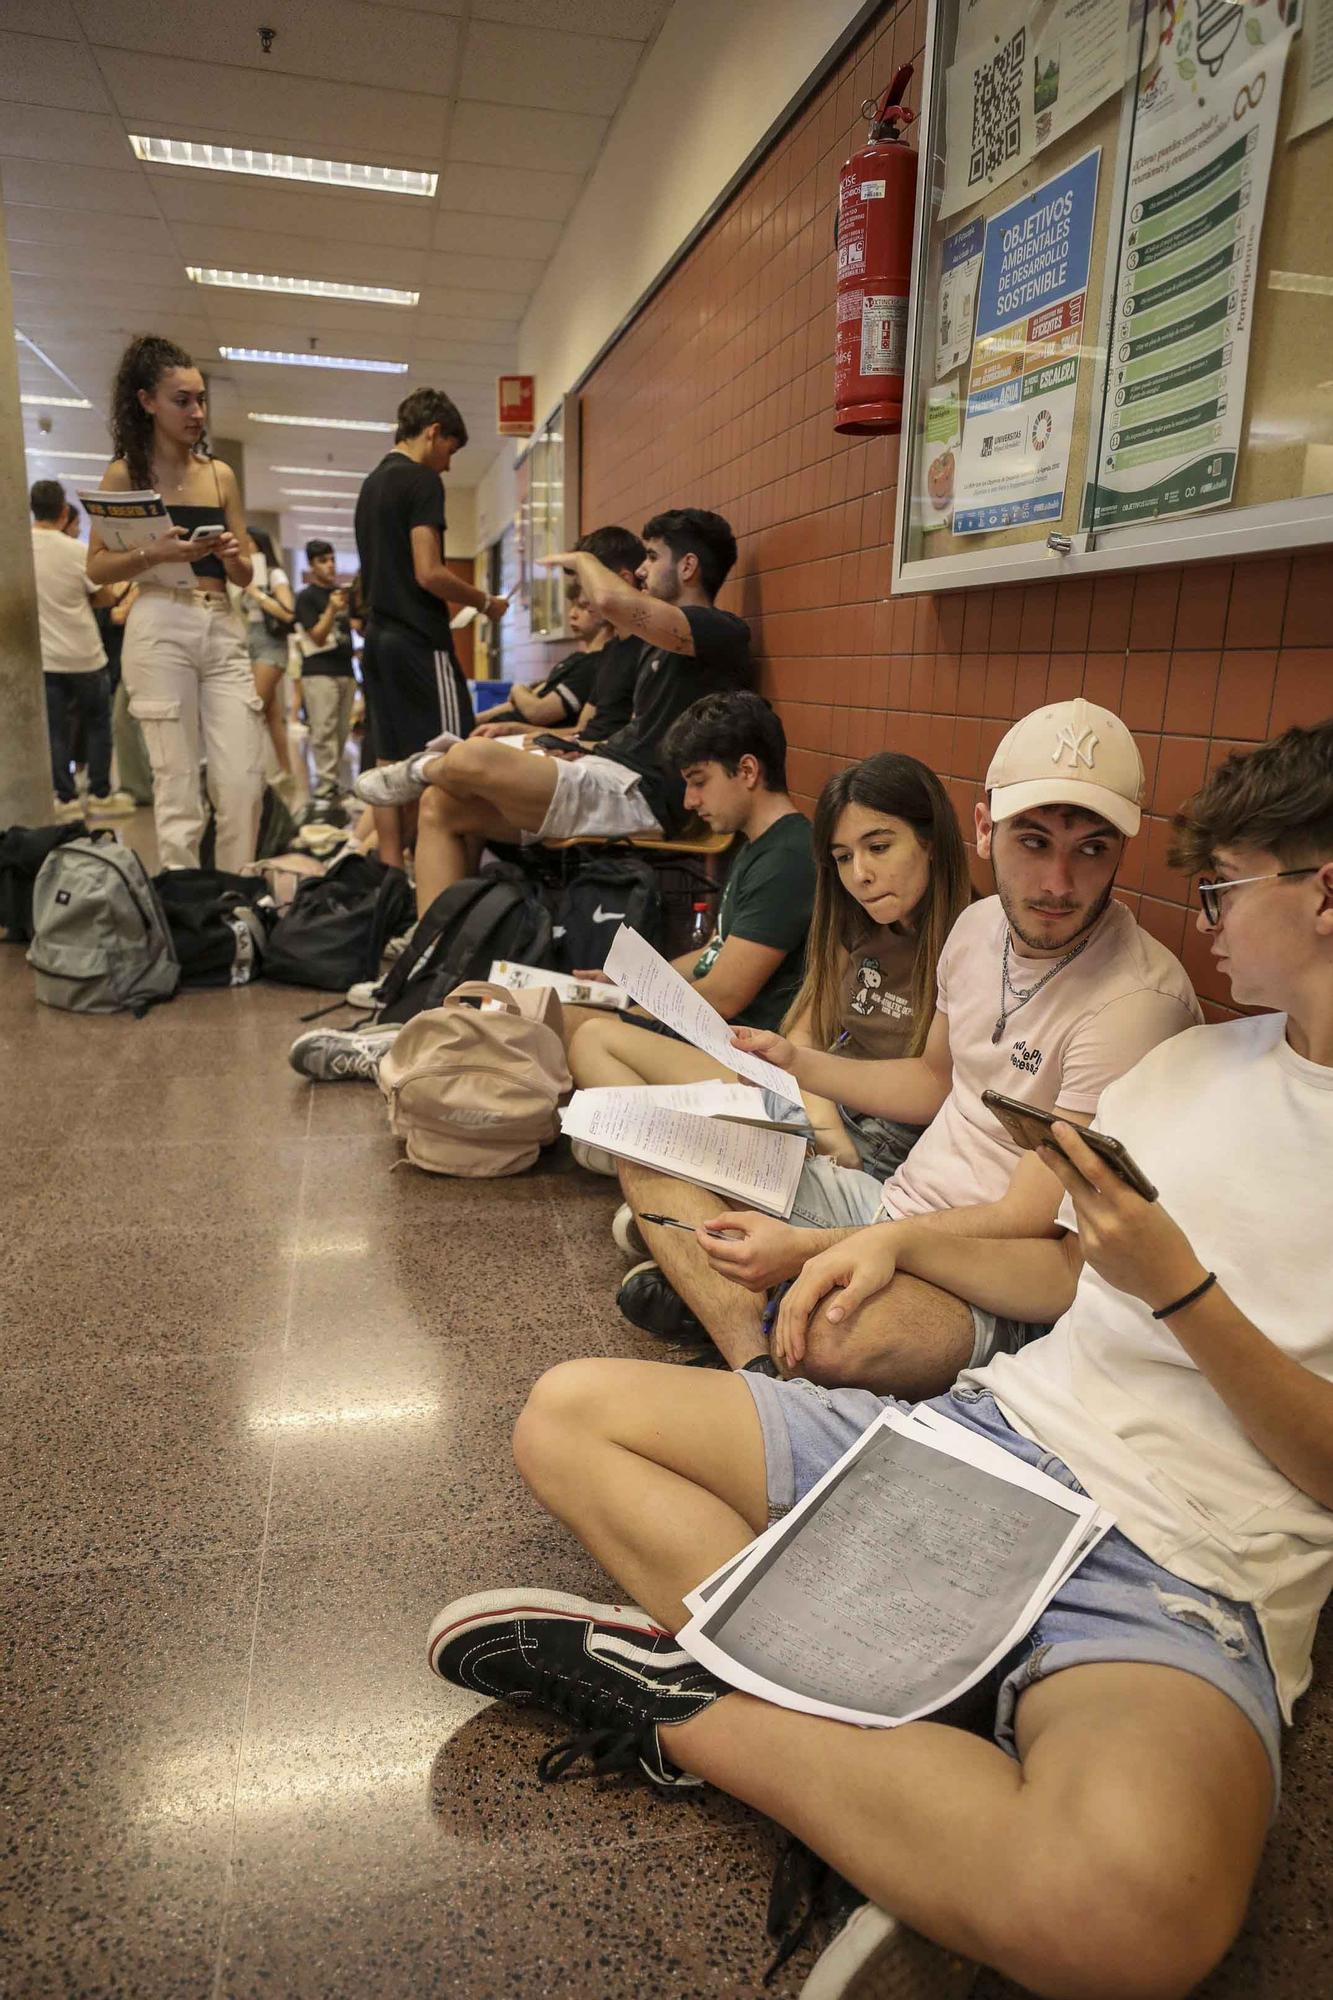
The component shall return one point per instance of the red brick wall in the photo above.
(721, 395)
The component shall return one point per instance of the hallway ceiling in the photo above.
(506, 101)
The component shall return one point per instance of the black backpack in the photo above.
(606, 893)
(487, 916)
(23, 849)
(277, 831)
(334, 931)
(219, 936)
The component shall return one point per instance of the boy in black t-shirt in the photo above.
(474, 792)
(328, 686)
(590, 694)
(414, 685)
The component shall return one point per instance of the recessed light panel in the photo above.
(305, 288)
(280, 166)
(58, 402)
(320, 423)
(275, 359)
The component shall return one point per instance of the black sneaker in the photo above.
(869, 1954)
(605, 1667)
(646, 1300)
(763, 1364)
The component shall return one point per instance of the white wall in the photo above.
(460, 509)
(714, 81)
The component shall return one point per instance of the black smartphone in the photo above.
(564, 744)
(1029, 1127)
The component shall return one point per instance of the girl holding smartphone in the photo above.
(185, 663)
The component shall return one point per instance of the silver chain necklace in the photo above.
(1021, 999)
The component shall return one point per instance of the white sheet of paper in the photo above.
(669, 998)
(712, 1099)
(573, 992)
(750, 1164)
(463, 618)
(912, 1567)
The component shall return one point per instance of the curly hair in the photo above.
(142, 366)
(1278, 799)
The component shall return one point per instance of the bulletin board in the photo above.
(1119, 345)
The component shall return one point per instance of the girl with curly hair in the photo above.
(185, 663)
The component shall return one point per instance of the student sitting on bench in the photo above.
(474, 792)
(1106, 1843)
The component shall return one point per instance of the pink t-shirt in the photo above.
(1119, 998)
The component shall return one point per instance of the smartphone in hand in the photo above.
(1030, 1127)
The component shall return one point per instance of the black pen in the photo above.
(674, 1222)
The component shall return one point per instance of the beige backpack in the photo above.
(475, 1093)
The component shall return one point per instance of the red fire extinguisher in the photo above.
(876, 205)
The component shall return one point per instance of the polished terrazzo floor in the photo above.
(257, 1395)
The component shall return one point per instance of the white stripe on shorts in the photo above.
(447, 689)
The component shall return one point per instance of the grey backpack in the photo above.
(100, 942)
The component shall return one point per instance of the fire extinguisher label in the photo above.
(883, 334)
(872, 190)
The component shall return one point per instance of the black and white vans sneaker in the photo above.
(607, 1668)
(869, 1954)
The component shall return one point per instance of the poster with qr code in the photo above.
(1186, 285)
(1031, 305)
(1023, 76)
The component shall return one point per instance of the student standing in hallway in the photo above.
(185, 662)
(73, 657)
(328, 686)
(415, 687)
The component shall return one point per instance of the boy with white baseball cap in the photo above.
(1048, 991)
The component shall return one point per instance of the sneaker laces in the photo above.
(606, 1748)
(804, 1891)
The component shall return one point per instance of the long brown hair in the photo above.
(906, 789)
(142, 366)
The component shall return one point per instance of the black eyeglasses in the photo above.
(1210, 890)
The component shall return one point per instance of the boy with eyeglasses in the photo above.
(1107, 1842)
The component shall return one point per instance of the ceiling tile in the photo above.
(532, 66)
(558, 142)
(501, 309)
(508, 191)
(522, 235)
(32, 260)
(276, 254)
(42, 17)
(634, 20)
(340, 40)
(134, 236)
(515, 277)
(80, 138)
(49, 185)
(35, 69)
(234, 326)
(292, 209)
(342, 121)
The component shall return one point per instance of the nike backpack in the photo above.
(607, 892)
(100, 941)
(219, 935)
(468, 926)
(473, 1085)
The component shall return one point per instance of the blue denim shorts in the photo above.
(1119, 1605)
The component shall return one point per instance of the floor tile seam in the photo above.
(139, 1357)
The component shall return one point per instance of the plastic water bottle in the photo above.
(701, 925)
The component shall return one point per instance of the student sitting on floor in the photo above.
(1048, 990)
(890, 880)
(591, 692)
(475, 792)
(731, 752)
(1106, 1845)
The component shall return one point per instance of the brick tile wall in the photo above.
(721, 394)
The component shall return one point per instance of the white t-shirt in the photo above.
(265, 579)
(1236, 1131)
(71, 642)
(1119, 998)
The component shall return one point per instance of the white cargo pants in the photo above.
(192, 691)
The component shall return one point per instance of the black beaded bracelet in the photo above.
(1176, 1305)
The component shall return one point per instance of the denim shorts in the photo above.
(832, 1197)
(1118, 1605)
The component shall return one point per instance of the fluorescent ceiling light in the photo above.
(343, 528)
(306, 288)
(40, 451)
(58, 402)
(275, 359)
(280, 166)
(314, 493)
(315, 471)
(322, 423)
(1300, 281)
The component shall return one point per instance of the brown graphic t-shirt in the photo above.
(875, 1013)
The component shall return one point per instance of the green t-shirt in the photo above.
(768, 900)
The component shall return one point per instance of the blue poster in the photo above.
(1038, 250)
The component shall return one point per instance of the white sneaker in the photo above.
(68, 809)
(111, 805)
(874, 1955)
(327, 1056)
(394, 784)
(366, 993)
(595, 1158)
(625, 1231)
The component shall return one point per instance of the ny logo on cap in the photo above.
(1080, 743)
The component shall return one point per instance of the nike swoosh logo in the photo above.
(601, 916)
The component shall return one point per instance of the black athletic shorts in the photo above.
(413, 690)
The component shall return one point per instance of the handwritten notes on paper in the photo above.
(668, 996)
(755, 1165)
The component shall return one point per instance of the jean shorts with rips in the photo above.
(1118, 1606)
(832, 1197)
